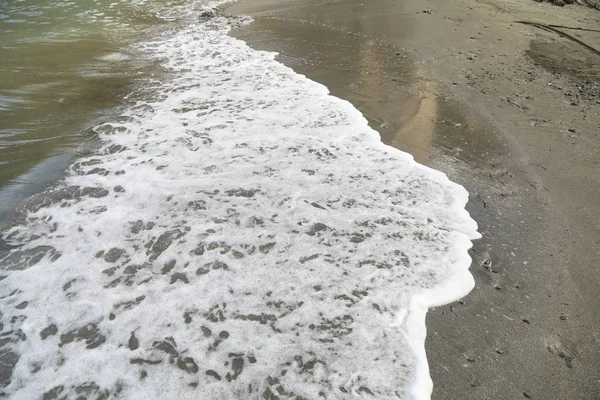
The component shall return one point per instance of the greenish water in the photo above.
(63, 67)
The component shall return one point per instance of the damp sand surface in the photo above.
(510, 111)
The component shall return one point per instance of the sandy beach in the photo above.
(510, 111)
(250, 224)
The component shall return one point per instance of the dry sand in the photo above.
(512, 112)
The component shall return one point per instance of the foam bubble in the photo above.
(240, 234)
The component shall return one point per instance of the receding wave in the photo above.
(239, 234)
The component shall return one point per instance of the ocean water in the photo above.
(236, 233)
(64, 66)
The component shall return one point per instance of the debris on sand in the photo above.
(592, 3)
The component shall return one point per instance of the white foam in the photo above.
(240, 223)
(114, 57)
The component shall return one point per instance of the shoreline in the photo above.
(456, 88)
(144, 188)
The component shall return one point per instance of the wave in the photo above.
(240, 233)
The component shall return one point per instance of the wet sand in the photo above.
(510, 111)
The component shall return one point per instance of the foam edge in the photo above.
(458, 284)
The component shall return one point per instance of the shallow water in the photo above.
(63, 67)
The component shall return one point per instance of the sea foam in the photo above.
(240, 234)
